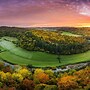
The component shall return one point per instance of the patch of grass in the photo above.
(70, 34)
(20, 56)
(10, 38)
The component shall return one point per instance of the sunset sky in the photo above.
(45, 13)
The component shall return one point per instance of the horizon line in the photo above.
(42, 26)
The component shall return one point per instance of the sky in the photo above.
(45, 13)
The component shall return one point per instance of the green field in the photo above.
(70, 34)
(17, 55)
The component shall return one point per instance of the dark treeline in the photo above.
(11, 31)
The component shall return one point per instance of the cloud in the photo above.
(42, 12)
(85, 10)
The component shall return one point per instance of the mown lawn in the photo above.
(70, 34)
(20, 56)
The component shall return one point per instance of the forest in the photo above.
(53, 42)
(43, 79)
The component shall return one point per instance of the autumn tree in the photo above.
(67, 83)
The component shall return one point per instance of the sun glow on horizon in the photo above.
(45, 13)
(86, 25)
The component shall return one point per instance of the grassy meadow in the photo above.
(16, 55)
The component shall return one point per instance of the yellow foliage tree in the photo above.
(18, 77)
(24, 72)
